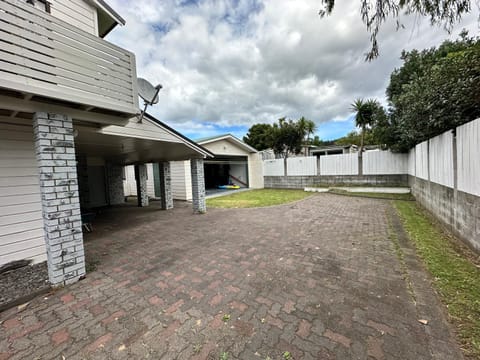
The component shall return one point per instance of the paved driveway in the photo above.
(319, 278)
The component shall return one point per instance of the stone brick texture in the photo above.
(165, 175)
(55, 152)
(299, 182)
(319, 278)
(141, 178)
(198, 186)
(458, 211)
(116, 195)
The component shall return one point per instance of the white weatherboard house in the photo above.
(234, 162)
(68, 126)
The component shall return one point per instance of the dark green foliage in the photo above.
(259, 136)
(435, 90)
(440, 12)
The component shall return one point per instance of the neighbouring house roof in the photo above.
(107, 16)
(195, 145)
(229, 137)
(331, 147)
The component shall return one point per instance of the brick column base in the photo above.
(62, 220)
(198, 186)
(141, 179)
(165, 185)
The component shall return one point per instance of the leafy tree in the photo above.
(374, 13)
(259, 136)
(354, 138)
(288, 137)
(435, 90)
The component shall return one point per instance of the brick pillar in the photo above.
(198, 186)
(166, 196)
(141, 179)
(55, 152)
(116, 194)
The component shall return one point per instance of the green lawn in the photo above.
(455, 270)
(257, 198)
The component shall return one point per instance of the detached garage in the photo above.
(234, 162)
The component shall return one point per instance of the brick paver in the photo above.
(319, 278)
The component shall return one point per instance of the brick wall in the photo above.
(57, 166)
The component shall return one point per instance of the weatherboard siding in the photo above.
(78, 13)
(181, 180)
(21, 224)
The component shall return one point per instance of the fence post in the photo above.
(455, 177)
(318, 166)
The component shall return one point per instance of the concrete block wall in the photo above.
(55, 152)
(457, 210)
(299, 182)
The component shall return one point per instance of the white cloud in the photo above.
(248, 61)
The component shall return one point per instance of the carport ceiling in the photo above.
(129, 150)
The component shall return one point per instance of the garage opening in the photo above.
(226, 173)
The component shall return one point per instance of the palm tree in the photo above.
(364, 117)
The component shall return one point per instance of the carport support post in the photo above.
(166, 197)
(62, 221)
(141, 180)
(198, 186)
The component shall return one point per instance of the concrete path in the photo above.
(320, 279)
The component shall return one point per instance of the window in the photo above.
(40, 4)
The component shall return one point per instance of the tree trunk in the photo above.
(360, 153)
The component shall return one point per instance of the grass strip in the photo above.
(455, 270)
(258, 198)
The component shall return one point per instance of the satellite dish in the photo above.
(148, 93)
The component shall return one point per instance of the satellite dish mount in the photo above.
(148, 93)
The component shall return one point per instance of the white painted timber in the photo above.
(44, 55)
(440, 160)
(342, 164)
(129, 184)
(274, 167)
(255, 171)
(180, 173)
(150, 181)
(421, 160)
(411, 162)
(384, 163)
(468, 157)
(79, 13)
(302, 166)
(21, 224)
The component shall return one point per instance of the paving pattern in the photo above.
(320, 279)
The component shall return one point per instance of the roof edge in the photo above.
(227, 136)
(201, 149)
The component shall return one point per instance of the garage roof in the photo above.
(229, 137)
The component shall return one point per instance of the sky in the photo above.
(226, 65)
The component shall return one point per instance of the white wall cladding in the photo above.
(129, 184)
(78, 13)
(440, 159)
(344, 164)
(181, 180)
(273, 167)
(421, 161)
(384, 163)
(468, 157)
(299, 166)
(411, 162)
(21, 224)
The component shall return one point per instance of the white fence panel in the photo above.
(440, 159)
(468, 157)
(344, 164)
(411, 162)
(421, 160)
(273, 167)
(302, 166)
(384, 163)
